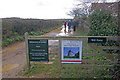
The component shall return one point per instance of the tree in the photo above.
(82, 9)
(80, 12)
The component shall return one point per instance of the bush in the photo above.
(32, 33)
(10, 40)
(102, 23)
(19, 38)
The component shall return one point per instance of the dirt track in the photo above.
(13, 60)
(14, 56)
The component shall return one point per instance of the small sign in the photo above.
(71, 51)
(96, 40)
(38, 50)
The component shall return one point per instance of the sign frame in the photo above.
(71, 51)
(38, 50)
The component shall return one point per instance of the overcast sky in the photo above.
(41, 9)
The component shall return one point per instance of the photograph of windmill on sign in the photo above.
(71, 52)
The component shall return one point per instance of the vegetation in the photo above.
(102, 23)
(79, 32)
(56, 70)
(111, 72)
(14, 28)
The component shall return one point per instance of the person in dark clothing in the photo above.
(65, 23)
(74, 25)
(69, 25)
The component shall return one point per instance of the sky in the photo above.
(40, 9)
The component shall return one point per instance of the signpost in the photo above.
(71, 51)
(38, 50)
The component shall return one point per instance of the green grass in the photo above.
(70, 71)
(79, 32)
(36, 68)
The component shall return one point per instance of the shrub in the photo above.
(9, 40)
(102, 23)
(32, 33)
(19, 38)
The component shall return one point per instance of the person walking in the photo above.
(65, 23)
(69, 25)
(74, 25)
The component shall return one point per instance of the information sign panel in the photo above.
(38, 50)
(71, 51)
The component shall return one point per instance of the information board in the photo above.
(38, 50)
(71, 51)
(96, 40)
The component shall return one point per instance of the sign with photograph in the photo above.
(38, 50)
(71, 51)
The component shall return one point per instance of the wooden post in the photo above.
(26, 46)
(60, 58)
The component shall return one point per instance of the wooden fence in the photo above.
(106, 54)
